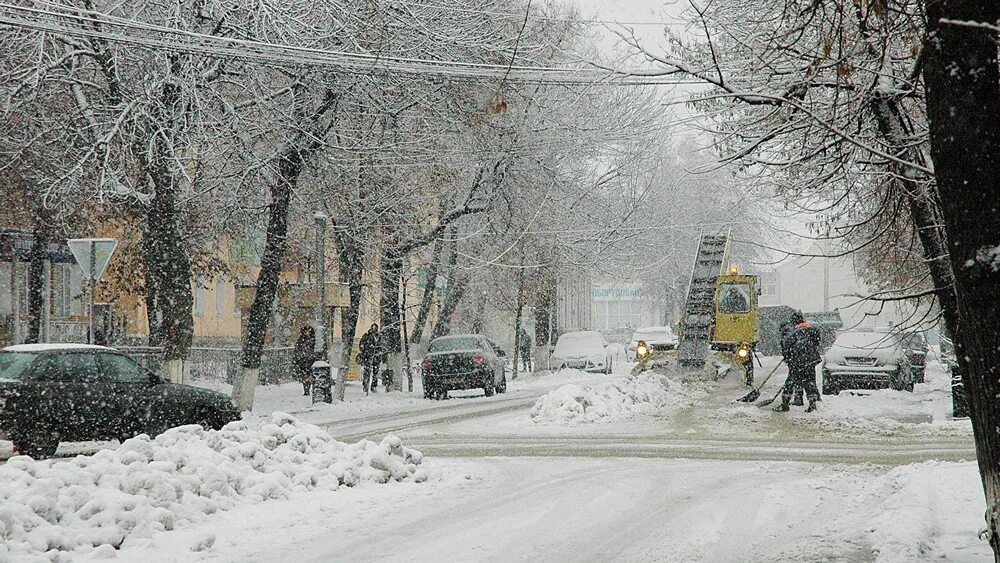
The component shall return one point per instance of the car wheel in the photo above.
(502, 386)
(488, 388)
(830, 385)
(896, 381)
(38, 442)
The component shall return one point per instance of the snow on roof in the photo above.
(52, 346)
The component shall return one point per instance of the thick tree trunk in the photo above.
(423, 314)
(170, 267)
(351, 272)
(390, 330)
(962, 81)
(36, 276)
(262, 307)
(150, 264)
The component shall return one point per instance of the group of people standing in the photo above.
(371, 355)
(800, 343)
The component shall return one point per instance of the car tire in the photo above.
(830, 385)
(502, 387)
(39, 443)
(896, 382)
(488, 387)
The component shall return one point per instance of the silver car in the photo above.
(866, 359)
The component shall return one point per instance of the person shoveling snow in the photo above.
(800, 349)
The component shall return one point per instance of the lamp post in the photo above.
(320, 218)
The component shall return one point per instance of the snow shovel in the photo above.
(754, 394)
(764, 403)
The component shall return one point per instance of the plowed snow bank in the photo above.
(181, 475)
(647, 393)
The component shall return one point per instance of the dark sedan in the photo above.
(73, 392)
(465, 361)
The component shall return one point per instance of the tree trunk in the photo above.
(517, 315)
(963, 99)
(149, 261)
(391, 273)
(170, 267)
(456, 289)
(423, 314)
(36, 276)
(545, 321)
(351, 272)
(262, 307)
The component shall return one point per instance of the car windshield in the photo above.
(14, 364)
(658, 334)
(865, 340)
(453, 344)
(734, 298)
(579, 343)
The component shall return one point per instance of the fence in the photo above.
(221, 364)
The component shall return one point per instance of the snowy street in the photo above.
(696, 479)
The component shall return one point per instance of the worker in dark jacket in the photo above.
(785, 329)
(800, 348)
(370, 357)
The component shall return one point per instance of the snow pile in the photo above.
(930, 510)
(182, 475)
(649, 392)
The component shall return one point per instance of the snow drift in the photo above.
(648, 392)
(182, 475)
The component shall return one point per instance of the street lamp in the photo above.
(320, 219)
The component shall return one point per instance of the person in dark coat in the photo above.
(524, 342)
(304, 355)
(784, 329)
(800, 348)
(370, 358)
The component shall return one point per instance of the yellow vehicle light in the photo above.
(641, 351)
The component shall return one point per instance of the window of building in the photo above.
(199, 297)
(220, 298)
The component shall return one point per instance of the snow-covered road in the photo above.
(613, 509)
(872, 476)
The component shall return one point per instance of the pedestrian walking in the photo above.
(370, 358)
(524, 344)
(800, 348)
(303, 357)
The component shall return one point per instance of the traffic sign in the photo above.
(93, 255)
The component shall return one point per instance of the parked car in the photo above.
(866, 359)
(465, 361)
(586, 350)
(916, 347)
(74, 392)
(658, 338)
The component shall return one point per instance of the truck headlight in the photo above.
(743, 353)
(641, 351)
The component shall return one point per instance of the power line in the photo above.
(77, 22)
(516, 16)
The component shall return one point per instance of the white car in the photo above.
(586, 350)
(866, 359)
(658, 338)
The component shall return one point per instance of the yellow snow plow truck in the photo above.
(720, 319)
(736, 320)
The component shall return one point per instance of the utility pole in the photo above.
(826, 277)
(320, 310)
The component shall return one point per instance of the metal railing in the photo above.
(221, 364)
